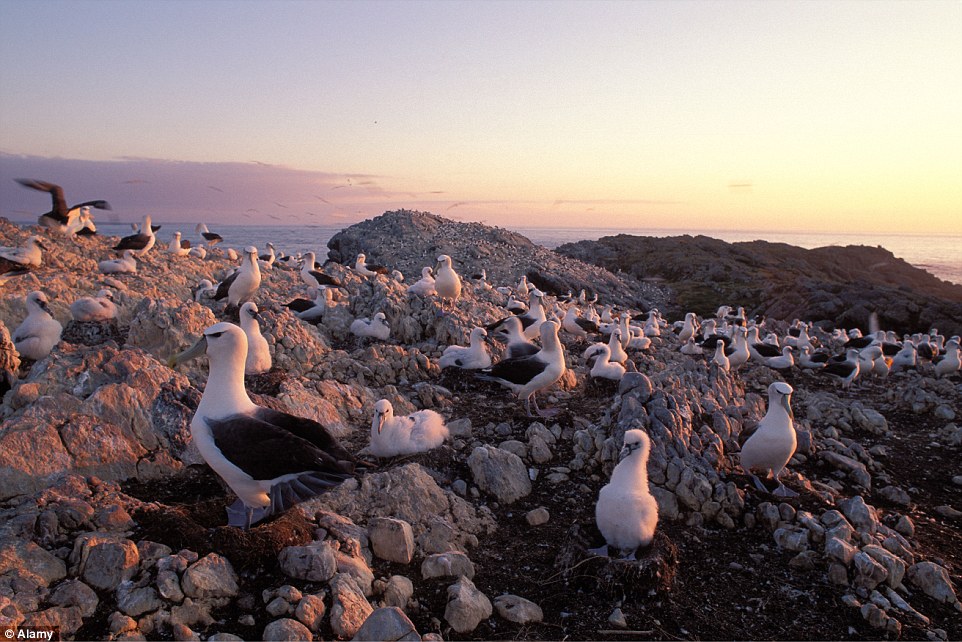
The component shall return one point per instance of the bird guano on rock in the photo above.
(272, 460)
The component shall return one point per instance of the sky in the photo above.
(782, 116)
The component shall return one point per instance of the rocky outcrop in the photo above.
(840, 284)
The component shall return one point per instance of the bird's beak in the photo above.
(192, 352)
(380, 422)
(786, 402)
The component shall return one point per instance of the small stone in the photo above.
(838, 574)
(934, 581)
(392, 539)
(310, 612)
(398, 591)
(948, 511)
(467, 606)
(285, 630)
(804, 561)
(450, 564)
(210, 577)
(517, 609)
(182, 633)
(314, 562)
(350, 607)
(75, 593)
(389, 624)
(278, 607)
(617, 619)
(538, 516)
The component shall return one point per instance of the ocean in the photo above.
(940, 255)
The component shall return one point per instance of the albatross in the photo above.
(39, 332)
(212, 238)
(241, 285)
(447, 283)
(473, 357)
(527, 376)
(60, 216)
(22, 259)
(140, 242)
(416, 433)
(272, 460)
(774, 442)
(626, 512)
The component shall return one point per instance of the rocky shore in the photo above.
(112, 527)
(843, 285)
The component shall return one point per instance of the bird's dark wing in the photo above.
(265, 451)
(380, 269)
(859, 343)
(133, 242)
(59, 210)
(586, 325)
(308, 430)
(838, 369)
(518, 371)
(12, 268)
(223, 288)
(766, 349)
(299, 305)
(212, 237)
(86, 231)
(325, 279)
(525, 349)
(97, 205)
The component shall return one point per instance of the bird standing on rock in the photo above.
(140, 243)
(447, 282)
(271, 460)
(774, 442)
(241, 285)
(258, 351)
(626, 512)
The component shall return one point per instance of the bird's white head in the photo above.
(380, 317)
(248, 311)
(221, 341)
(37, 300)
(35, 240)
(250, 249)
(636, 443)
(383, 411)
(781, 393)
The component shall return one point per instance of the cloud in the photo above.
(172, 190)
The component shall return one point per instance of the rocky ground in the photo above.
(842, 285)
(112, 527)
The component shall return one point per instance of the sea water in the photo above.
(940, 255)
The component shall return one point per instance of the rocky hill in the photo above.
(841, 284)
(408, 241)
(112, 526)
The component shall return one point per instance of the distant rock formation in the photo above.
(408, 241)
(841, 284)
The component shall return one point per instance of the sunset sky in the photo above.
(781, 116)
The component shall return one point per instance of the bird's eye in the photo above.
(214, 335)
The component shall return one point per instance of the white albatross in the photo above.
(241, 285)
(424, 287)
(39, 332)
(124, 265)
(472, 357)
(258, 351)
(774, 442)
(19, 259)
(94, 308)
(271, 460)
(626, 512)
(376, 328)
(526, 376)
(446, 280)
(418, 432)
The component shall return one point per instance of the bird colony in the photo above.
(406, 421)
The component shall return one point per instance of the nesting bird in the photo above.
(375, 328)
(39, 332)
(416, 433)
(774, 442)
(22, 259)
(604, 368)
(98, 308)
(271, 460)
(473, 357)
(124, 265)
(212, 238)
(424, 287)
(626, 512)
(258, 351)
(176, 247)
(361, 266)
